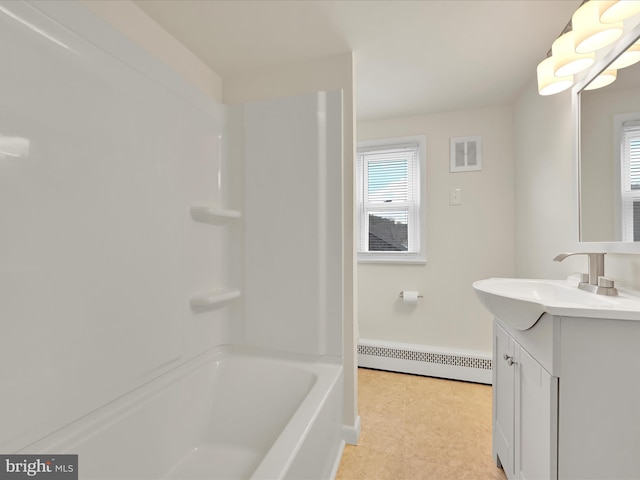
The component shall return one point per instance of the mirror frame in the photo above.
(603, 59)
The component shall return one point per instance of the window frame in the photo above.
(417, 218)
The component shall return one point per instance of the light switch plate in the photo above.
(455, 196)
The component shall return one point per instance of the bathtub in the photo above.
(232, 413)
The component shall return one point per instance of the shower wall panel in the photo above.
(293, 227)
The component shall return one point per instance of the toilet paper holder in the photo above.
(402, 295)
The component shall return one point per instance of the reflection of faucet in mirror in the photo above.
(597, 283)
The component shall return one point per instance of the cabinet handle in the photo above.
(509, 360)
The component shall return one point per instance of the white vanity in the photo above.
(566, 360)
(566, 380)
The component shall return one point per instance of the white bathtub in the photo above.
(232, 413)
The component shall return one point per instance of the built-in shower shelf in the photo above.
(213, 297)
(208, 214)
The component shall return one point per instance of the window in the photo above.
(390, 200)
(630, 181)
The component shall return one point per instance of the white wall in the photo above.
(544, 186)
(546, 193)
(464, 243)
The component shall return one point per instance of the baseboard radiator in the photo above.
(424, 360)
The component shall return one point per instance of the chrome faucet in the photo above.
(597, 283)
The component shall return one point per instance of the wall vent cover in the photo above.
(466, 154)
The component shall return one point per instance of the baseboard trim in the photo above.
(425, 360)
(351, 434)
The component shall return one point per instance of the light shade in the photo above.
(548, 83)
(565, 59)
(605, 78)
(627, 58)
(590, 33)
(612, 11)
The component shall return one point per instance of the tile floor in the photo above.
(420, 428)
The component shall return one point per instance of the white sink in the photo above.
(521, 302)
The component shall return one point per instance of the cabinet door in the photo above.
(503, 399)
(536, 411)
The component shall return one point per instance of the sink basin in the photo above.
(521, 302)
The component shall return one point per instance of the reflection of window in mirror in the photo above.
(628, 131)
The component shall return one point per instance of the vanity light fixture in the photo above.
(612, 11)
(605, 78)
(590, 33)
(566, 61)
(548, 82)
(574, 50)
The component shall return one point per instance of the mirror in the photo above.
(609, 158)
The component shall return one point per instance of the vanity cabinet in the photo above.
(566, 399)
(525, 411)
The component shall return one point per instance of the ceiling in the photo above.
(411, 57)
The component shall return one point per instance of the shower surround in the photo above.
(126, 266)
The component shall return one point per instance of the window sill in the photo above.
(391, 258)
